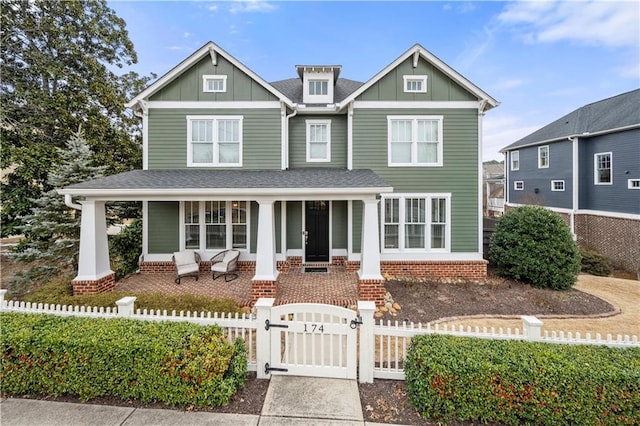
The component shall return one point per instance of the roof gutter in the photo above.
(68, 201)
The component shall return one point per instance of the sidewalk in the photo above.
(289, 401)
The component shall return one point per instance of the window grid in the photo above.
(633, 184)
(214, 83)
(515, 160)
(318, 87)
(209, 226)
(603, 168)
(318, 141)
(518, 185)
(415, 83)
(214, 141)
(415, 141)
(543, 157)
(557, 185)
(192, 225)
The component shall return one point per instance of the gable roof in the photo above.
(292, 88)
(617, 112)
(208, 49)
(419, 51)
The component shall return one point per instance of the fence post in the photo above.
(367, 341)
(125, 306)
(532, 328)
(263, 342)
(2, 293)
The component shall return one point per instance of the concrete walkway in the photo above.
(289, 401)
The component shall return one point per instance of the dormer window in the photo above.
(318, 87)
(214, 83)
(415, 83)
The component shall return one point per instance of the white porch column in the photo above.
(370, 249)
(266, 269)
(93, 259)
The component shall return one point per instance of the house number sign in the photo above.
(313, 328)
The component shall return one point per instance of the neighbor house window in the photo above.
(515, 160)
(415, 83)
(416, 222)
(215, 225)
(543, 157)
(318, 140)
(214, 83)
(518, 185)
(557, 185)
(214, 141)
(633, 183)
(318, 87)
(414, 140)
(602, 168)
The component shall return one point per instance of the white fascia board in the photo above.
(416, 104)
(214, 105)
(431, 58)
(194, 194)
(195, 57)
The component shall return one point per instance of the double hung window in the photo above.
(215, 225)
(602, 168)
(414, 222)
(214, 141)
(515, 160)
(318, 140)
(415, 140)
(543, 157)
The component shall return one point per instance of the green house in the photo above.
(383, 176)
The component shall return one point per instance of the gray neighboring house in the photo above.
(586, 166)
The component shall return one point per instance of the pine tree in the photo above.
(52, 229)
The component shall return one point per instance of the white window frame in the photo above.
(633, 183)
(207, 78)
(514, 158)
(315, 82)
(310, 123)
(422, 79)
(518, 185)
(596, 175)
(414, 143)
(556, 189)
(203, 227)
(216, 150)
(541, 149)
(428, 197)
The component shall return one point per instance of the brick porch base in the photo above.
(104, 284)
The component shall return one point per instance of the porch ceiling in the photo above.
(303, 183)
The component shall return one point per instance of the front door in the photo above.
(317, 231)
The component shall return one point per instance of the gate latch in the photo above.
(268, 369)
(268, 325)
(355, 322)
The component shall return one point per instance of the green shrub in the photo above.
(594, 263)
(514, 382)
(60, 293)
(534, 245)
(172, 363)
(125, 248)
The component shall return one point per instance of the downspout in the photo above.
(286, 148)
(575, 176)
(68, 201)
(350, 137)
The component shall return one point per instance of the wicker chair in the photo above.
(225, 264)
(187, 263)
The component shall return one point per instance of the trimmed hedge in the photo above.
(172, 363)
(514, 382)
(594, 263)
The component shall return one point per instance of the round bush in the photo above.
(534, 245)
(594, 263)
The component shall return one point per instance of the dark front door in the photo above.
(317, 232)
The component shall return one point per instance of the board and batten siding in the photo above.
(164, 226)
(261, 137)
(458, 175)
(298, 141)
(439, 86)
(537, 181)
(188, 85)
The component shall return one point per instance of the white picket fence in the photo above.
(383, 345)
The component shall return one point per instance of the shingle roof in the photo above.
(216, 179)
(292, 88)
(611, 113)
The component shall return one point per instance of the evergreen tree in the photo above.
(51, 229)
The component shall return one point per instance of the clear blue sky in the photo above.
(540, 59)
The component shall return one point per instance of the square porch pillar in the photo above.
(94, 271)
(265, 282)
(371, 282)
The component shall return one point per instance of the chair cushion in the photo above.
(229, 256)
(219, 267)
(187, 269)
(184, 258)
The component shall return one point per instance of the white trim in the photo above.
(295, 253)
(283, 227)
(515, 185)
(349, 228)
(480, 183)
(430, 256)
(511, 160)
(208, 77)
(215, 119)
(414, 143)
(214, 104)
(595, 168)
(422, 79)
(350, 137)
(437, 63)
(283, 136)
(416, 104)
(630, 183)
(193, 59)
(553, 182)
(308, 124)
(586, 212)
(145, 228)
(540, 149)
(145, 138)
